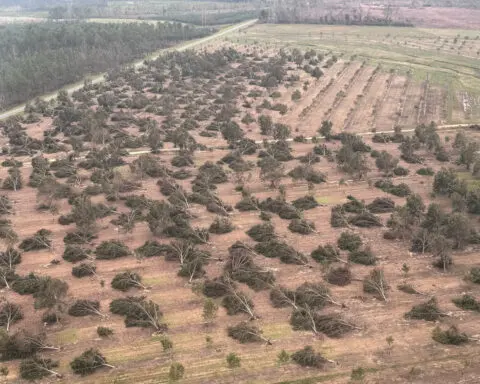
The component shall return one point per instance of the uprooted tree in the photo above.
(88, 362)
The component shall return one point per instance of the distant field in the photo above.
(443, 63)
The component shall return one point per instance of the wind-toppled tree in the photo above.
(10, 313)
(37, 368)
(40, 240)
(88, 362)
(307, 357)
(126, 280)
(376, 284)
(247, 333)
(236, 302)
(139, 312)
(191, 259)
(14, 180)
(84, 269)
(428, 311)
(241, 267)
(22, 344)
(451, 336)
(84, 307)
(111, 249)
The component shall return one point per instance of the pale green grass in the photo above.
(385, 46)
(67, 336)
(472, 182)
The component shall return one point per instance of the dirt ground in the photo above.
(387, 99)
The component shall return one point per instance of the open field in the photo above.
(199, 102)
(435, 72)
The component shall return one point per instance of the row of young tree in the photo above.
(41, 57)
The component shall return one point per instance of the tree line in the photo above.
(38, 58)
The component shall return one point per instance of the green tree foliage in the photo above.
(428, 311)
(37, 368)
(450, 336)
(41, 57)
(446, 182)
(111, 249)
(233, 361)
(307, 357)
(88, 362)
(176, 372)
(349, 241)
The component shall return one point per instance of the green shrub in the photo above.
(474, 275)
(425, 171)
(176, 372)
(400, 171)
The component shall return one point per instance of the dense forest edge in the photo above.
(40, 58)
